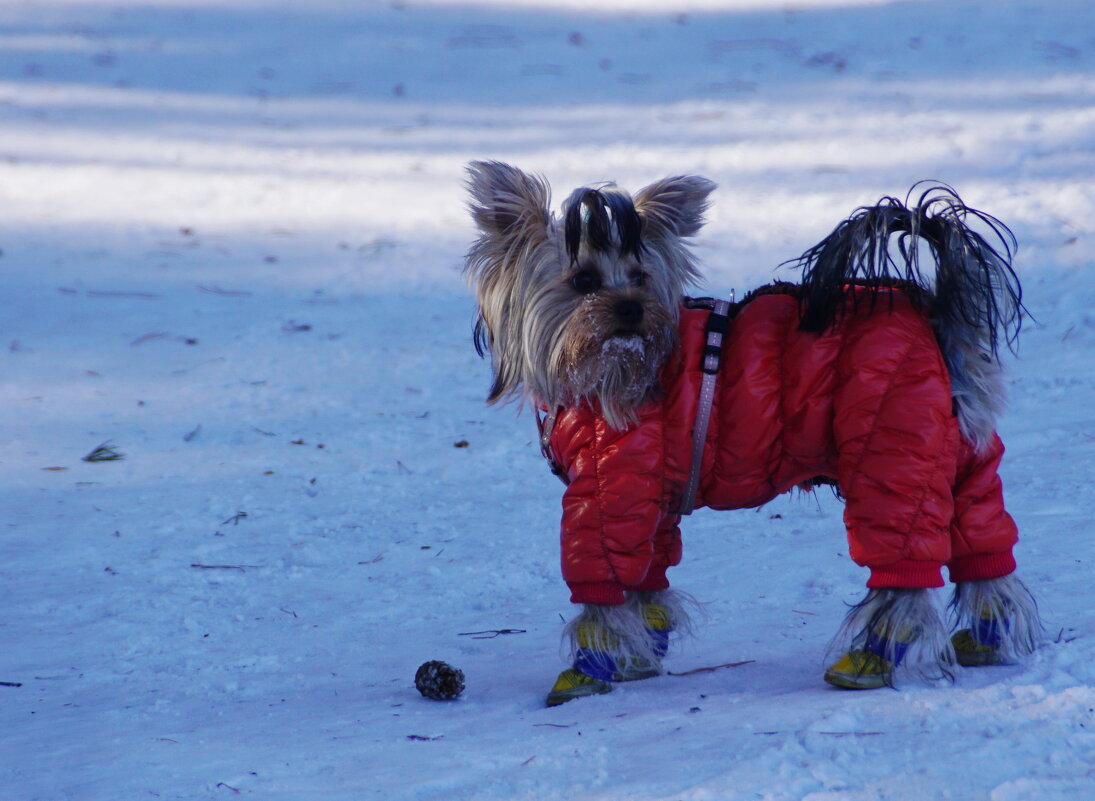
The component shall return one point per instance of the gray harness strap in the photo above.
(717, 325)
(546, 424)
(718, 322)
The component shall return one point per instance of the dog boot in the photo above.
(871, 666)
(599, 659)
(980, 644)
(573, 684)
(634, 667)
(998, 619)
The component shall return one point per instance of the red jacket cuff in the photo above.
(906, 574)
(607, 593)
(981, 567)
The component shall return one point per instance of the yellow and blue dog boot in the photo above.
(573, 684)
(860, 670)
(600, 655)
(658, 626)
(596, 667)
(980, 645)
(635, 668)
(868, 668)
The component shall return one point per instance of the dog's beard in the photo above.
(617, 369)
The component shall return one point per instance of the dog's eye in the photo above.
(637, 278)
(585, 282)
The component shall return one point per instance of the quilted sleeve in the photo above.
(612, 506)
(982, 533)
(897, 441)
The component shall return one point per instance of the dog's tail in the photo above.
(973, 295)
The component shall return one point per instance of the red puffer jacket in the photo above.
(867, 403)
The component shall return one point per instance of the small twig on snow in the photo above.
(852, 733)
(102, 293)
(1061, 638)
(241, 568)
(105, 452)
(146, 337)
(712, 668)
(227, 293)
(490, 634)
(827, 733)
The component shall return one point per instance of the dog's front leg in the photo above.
(614, 643)
(887, 629)
(999, 620)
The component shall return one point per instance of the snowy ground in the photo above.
(232, 234)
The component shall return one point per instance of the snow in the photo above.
(232, 235)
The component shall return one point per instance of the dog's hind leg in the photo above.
(995, 611)
(998, 618)
(888, 629)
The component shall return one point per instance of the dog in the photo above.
(871, 374)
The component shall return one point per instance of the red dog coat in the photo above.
(867, 404)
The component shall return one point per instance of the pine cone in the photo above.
(439, 681)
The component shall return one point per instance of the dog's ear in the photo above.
(674, 206)
(507, 203)
(511, 210)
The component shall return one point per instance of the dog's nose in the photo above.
(629, 312)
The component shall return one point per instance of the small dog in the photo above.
(868, 375)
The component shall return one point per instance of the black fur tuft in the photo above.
(603, 212)
(482, 340)
(974, 285)
(480, 337)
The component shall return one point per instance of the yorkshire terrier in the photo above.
(869, 375)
